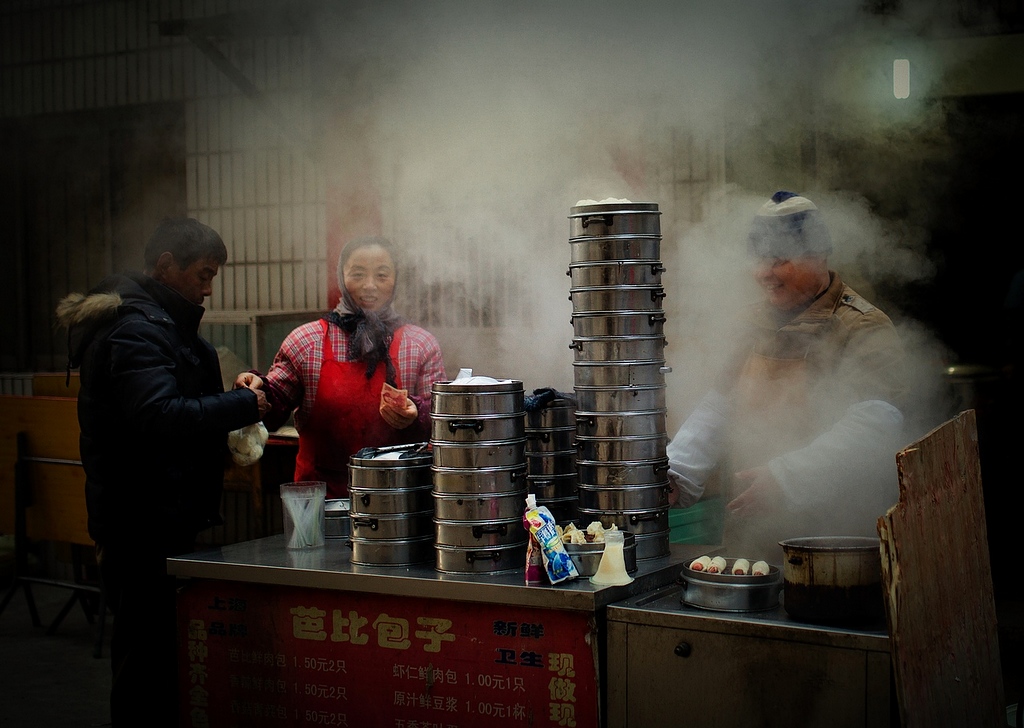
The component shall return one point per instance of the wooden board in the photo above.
(938, 584)
(52, 427)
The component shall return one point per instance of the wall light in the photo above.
(901, 78)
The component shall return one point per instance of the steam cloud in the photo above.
(485, 122)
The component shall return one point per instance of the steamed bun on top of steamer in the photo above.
(605, 201)
(466, 376)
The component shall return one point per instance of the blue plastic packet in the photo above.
(557, 562)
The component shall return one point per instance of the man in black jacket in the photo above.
(154, 420)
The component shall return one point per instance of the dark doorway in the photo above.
(80, 193)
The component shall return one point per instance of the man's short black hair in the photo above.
(187, 240)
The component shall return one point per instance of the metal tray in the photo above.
(728, 593)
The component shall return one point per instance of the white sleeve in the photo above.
(696, 449)
(858, 451)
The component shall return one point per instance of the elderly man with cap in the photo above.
(805, 422)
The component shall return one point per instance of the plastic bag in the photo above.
(246, 444)
(557, 562)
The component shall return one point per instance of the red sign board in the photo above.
(255, 655)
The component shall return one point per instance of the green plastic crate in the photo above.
(700, 523)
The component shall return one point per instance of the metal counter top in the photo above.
(268, 561)
(663, 607)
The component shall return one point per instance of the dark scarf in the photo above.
(370, 334)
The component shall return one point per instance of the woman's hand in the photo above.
(761, 492)
(396, 408)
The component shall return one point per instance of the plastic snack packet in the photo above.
(534, 559)
(557, 562)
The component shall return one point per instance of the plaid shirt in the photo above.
(292, 379)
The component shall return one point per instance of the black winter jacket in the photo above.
(153, 413)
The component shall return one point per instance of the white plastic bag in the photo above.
(246, 444)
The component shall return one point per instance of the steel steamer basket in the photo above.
(478, 438)
(390, 509)
(551, 458)
(619, 370)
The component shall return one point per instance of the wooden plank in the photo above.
(52, 427)
(938, 584)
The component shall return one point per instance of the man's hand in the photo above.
(396, 408)
(761, 492)
(248, 380)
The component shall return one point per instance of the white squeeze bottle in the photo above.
(611, 571)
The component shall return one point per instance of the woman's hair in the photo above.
(187, 240)
(355, 244)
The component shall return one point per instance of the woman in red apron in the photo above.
(332, 372)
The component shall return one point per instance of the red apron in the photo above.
(345, 418)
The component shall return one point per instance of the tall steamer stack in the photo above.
(619, 370)
(478, 438)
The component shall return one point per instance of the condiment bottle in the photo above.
(611, 571)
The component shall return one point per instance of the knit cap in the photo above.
(788, 226)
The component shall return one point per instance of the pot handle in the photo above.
(542, 436)
(365, 498)
(483, 556)
(796, 560)
(663, 467)
(371, 522)
(606, 219)
(578, 345)
(479, 531)
(475, 425)
(657, 318)
(655, 295)
(657, 268)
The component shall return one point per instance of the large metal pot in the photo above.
(638, 472)
(469, 507)
(552, 487)
(620, 373)
(451, 398)
(462, 428)
(620, 424)
(396, 466)
(480, 480)
(630, 497)
(620, 399)
(614, 218)
(832, 578)
(559, 413)
(481, 560)
(617, 298)
(618, 323)
(619, 348)
(476, 534)
(551, 440)
(394, 501)
(616, 273)
(494, 454)
(392, 526)
(615, 247)
(621, 448)
(392, 552)
(551, 463)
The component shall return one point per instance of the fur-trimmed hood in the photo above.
(85, 314)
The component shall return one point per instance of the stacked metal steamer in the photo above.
(478, 438)
(390, 509)
(551, 458)
(619, 370)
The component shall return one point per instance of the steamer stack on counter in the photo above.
(478, 438)
(619, 370)
(390, 510)
(551, 458)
